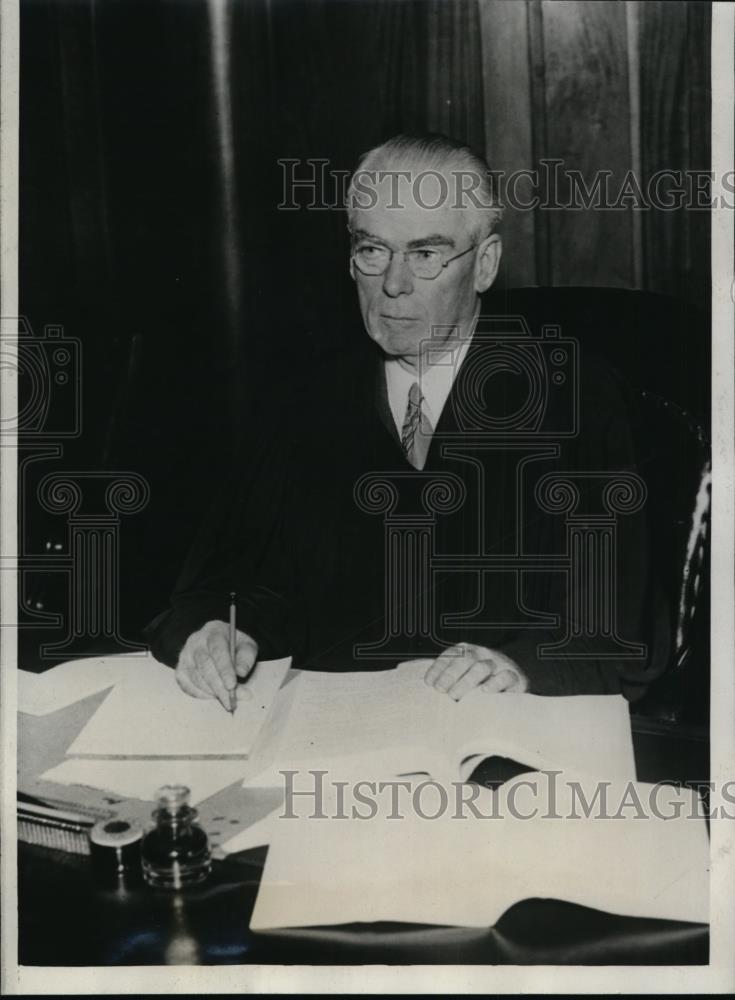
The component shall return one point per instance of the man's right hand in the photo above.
(205, 668)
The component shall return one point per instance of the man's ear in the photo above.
(352, 268)
(487, 262)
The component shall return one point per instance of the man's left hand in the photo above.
(465, 666)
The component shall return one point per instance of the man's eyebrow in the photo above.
(433, 240)
(363, 234)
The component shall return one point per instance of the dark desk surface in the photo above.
(64, 919)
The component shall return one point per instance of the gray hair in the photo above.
(468, 177)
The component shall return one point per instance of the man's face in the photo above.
(400, 310)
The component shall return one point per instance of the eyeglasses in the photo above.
(425, 262)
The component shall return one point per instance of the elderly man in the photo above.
(306, 549)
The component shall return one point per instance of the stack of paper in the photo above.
(147, 732)
(390, 722)
(139, 779)
(357, 726)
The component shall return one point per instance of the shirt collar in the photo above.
(435, 379)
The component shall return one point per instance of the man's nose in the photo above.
(397, 279)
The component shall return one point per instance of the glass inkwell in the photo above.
(176, 851)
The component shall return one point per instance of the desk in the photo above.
(65, 920)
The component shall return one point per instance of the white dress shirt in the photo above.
(435, 381)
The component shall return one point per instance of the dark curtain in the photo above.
(326, 80)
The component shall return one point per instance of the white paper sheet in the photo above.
(41, 694)
(152, 717)
(139, 779)
(258, 834)
(469, 871)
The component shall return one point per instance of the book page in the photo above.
(153, 717)
(378, 720)
(458, 868)
(587, 733)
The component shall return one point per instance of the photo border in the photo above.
(719, 975)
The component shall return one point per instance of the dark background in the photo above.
(149, 226)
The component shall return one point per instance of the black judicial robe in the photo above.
(341, 558)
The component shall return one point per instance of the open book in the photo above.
(391, 722)
(416, 862)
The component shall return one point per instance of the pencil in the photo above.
(233, 629)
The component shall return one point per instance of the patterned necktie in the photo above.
(417, 430)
